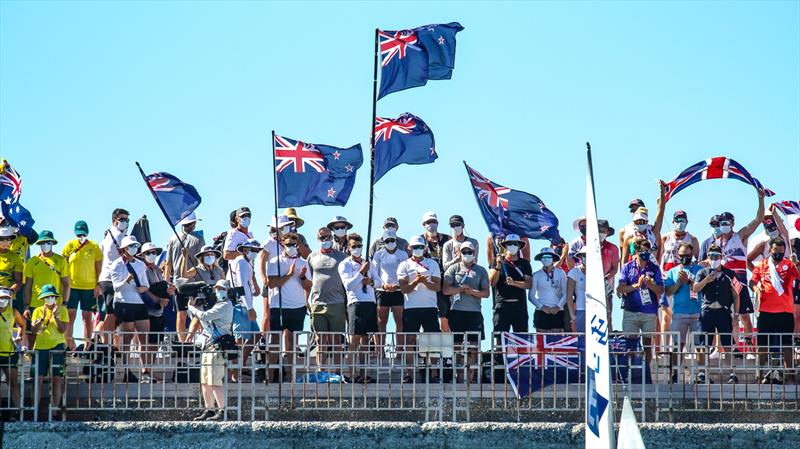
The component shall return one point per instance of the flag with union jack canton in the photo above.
(314, 174)
(10, 208)
(534, 361)
(712, 168)
(176, 198)
(508, 211)
(409, 58)
(404, 140)
(788, 207)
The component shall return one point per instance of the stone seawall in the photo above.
(378, 435)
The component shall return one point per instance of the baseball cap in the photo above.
(417, 241)
(680, 214)
(390, 220)
(467, 245)
(242, 211)
(81, 228)
(456, 220)
(726, 216)
(427, 216)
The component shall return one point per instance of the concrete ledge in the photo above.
(373, 435)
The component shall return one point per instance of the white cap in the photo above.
(429, 216)
(467, 245)
(339, 219)
(513, 238)
(639, 215)
(127, 241)
(5, 293)
(416, 241)
(191, 218)
(283, 220)
(8, 231)
(223, 283)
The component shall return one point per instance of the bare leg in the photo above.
(208, 396)
(180, 325)
(383, 320)
(397, 316)
(109, 325)
(86, 316)
(70, 327)
(444, 324)
(219, 396)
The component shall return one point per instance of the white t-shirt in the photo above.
(350, 272)
(292, 294)
(110, 253)
(385, 266)
(421, 296)
(580, 287)
(235, 238)
(126, 292)
(240, 273)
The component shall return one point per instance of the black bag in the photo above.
(102, 368)
(187, 373)
(227, 344)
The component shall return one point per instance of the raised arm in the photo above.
(751, 227)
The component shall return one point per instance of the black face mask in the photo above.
(777, 257)
(582, 230)
(686, 260)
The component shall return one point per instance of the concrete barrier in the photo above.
(382, 435)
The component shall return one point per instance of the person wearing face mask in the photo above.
(297, 223)
(11, 267)
(129, 277)
(719, 303)
(216, 325)
(339, 227)
(157, 298)
(238, 234)
(20, 243)
(576, 293)
(641, 285)
(46, 268)
(193, 241)
(435, 250)
(272, 247)
(240, 275)
(773, 279)
(207, 271)
(120, 218)
(9, 358)
(578, 242)
(358, 279)
(561, 248)
(685, 304)
(642, 229)
(327, 299)
(467, 283)
(609, 255)
(670, 242)
(390, 224)
(450, 252)
(628, 229)
(494, 248)
(510, 275)
(385, 263)
(48, 324)
(773, 227)
(85, 261)
(548, 293)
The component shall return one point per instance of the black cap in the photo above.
(242, 210)
(714, 219)
(727, 216)
(679, 214)
(457, 220)
(391, 220)
(636, 202)
(604, 224)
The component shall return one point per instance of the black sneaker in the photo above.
(701, 378)
(130, 378)
(219, 415)
(674, 377)
(732, 379)
(205, 415)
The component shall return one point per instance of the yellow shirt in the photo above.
(81, 260)
(45, 273)
(20, 246)
(49, 337)
(7, 325)
(10, 263)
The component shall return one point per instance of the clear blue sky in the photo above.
(194, 88)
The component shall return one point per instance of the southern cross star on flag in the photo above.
(404, 140)
(314, 174)
(10, 207)
(177, 198)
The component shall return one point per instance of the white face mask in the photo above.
(286, 230)
(391, 228)
(47, 247)
(291, 252)
(244, 222)
(340, 232)
(209, 260)
(715, 263)
(773, 234)
(222, 295)
(50, 300)
(132, 250)
(603, 237)
(356, 252)
(3, 303)
(725, 229)
(458, 230)
(151, 258)
(83, 239)
(641, 227)
(431, 227)
(680, 226)
(391, 246)
(512, 249)
(418, 252)
(122, 226)
(547, 261)
(251, 255)
(327, 244)
(468, 258)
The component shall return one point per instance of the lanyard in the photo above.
(511, 262)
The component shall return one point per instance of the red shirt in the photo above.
(609, 253)
(771, 301)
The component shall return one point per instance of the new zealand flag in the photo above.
(534, 361)
(404, 140)
(177, 198)
(628, 364)
(409, 58)
(314, 174)
(507, 211)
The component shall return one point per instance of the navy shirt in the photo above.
(630, 275)
(719, 290)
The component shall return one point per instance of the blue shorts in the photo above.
(243, 327)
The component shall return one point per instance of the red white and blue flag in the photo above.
(534, 361)
(788, 207)
(10, 208)
(791, 209)
(176, 198)
(11, 179)
(712, 168)
(403, 140)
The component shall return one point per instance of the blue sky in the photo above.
(195, 88)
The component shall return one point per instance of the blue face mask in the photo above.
(644, 255)
(717, 231)
(222, 295)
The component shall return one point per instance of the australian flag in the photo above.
(10, 208)
(409, 58)
(176, 198)
(712, 168)
(314, 174)
(534, 361)
(507, 211)
(404, 140)
(628, 364)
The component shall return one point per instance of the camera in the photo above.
(203, 294)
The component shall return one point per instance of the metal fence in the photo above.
(442, 376)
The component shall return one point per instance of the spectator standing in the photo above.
(11, 266)
(193, 241)
(548, 293)
(339, 227)
(129, 277)
(385, 262)
(450, 252)
(297, 223)
(112, 238)
(435, 242)
(685, 304)
(240, 275)
(390, 224)
(48, 324)
(159, 293)
(85, 260)
(46, 268)
(10, 319)
(641, 285)
(511, 275)
(576, 292)
(670, 243)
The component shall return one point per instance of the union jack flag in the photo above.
(788, 207)
(712, 168)
(534, 361)
(9, 177)
(295, 153)
(385, 126)
(403, 140)
(489, 191)
(395, 44)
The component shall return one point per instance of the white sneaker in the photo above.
(714, 355)
(751, 356)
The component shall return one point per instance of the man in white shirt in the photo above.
(357, 278)
(576, 292)
(420, 279)
(238, 234)
(111, 241)
(271, 248)
(129, 277)
(240, 274)
(548, 293)
(385, 262)
(288, 292)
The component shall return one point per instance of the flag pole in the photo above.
(277, 236)
(166, 216)
(372, 143)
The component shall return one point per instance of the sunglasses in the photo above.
(291, 245)
(134, 247)
(431, 222)
(80, 235)
(681, 220)
(715, 256)
(339, 227)
(123, 220)
(151, 253)
(467, 253)
(417, 247)
(325, 238)
(54, 298)
(389, 240)
(356, 246)
(724, 223)
(244, 216)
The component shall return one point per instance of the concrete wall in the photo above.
(378, 435)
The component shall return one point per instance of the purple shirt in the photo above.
(629, 276)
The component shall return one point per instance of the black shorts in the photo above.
(545, 322)
(389, 299)
(156, 327)
(463, 321)
(362, 318)
(9, 360)
(129, 313)
(775, 323)
(796, 294)
(443, 303)
(182, 301)
(745, 303)
(106, 301)
(293, 319)
(716, 321)
(422, 317)
(510, 314)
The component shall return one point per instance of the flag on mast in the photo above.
(599, 419)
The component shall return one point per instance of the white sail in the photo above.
(629, 435)
(599, 403)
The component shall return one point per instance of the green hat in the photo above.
(46, 237)
(81, 228)
(48, 290)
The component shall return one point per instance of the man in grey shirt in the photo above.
(466, 283)
(327, 298)
(450, 254)
(193, 244)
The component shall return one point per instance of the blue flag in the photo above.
(176, 198)
(628, 364)
(409, 58)
(314, 174)
(507, 211)
(10, 207)
(534, 361)
(404, 140)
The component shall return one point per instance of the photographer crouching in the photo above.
(216, 314)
